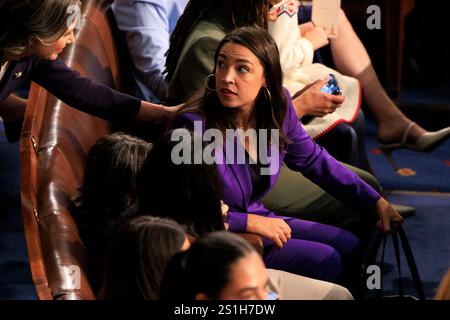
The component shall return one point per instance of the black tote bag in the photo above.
(396, 235)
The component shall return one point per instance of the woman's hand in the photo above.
(275, 229)
(169, 113)
(305, 27)
(388, 216)
(224, 208)
(312, 102)
(316, 35)
(156, 113)
(175, 109)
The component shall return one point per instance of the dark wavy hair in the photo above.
(24, 20)
(112, 169)
(108, 194)
(270, 111)
(205, 268)
(138, 255)
(187, 193)
(243, 13)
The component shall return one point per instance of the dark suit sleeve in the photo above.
(314, 162)
(82, 93)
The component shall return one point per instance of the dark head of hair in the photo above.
(113, 165)
(205, 268)
(24, 20)
(138, 255)
(270, 110)
(187, 193)
(242, 13)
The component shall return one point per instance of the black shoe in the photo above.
(404, 211)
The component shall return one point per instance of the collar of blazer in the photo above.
(14, 73)
(3, 69)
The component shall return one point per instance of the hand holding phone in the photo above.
(317, 99)
(332, 86)
(272, 295)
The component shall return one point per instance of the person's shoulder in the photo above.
(41, 68)
(288, 99)
(286, 93)
(291, 116)
(186, 120)
(205, 31)
(47, 63)
(210, 29)
(21, 65)
(190, 116)
(31, 64)
(30, 61)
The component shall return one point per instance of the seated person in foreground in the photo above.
(223, 266)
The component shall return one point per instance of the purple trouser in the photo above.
(315, 250)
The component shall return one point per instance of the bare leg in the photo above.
(351, 58)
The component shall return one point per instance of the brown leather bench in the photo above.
(55, 140)
(54, 143)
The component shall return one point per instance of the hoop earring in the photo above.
(267, 94)
(207, 82)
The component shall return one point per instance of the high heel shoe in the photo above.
(425, 143)
(407, 172)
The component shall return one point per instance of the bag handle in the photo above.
(411, 263)
(400, 233)
(397, 258)
(382, 238)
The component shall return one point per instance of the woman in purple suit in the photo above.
(245, 92)
(32, 35)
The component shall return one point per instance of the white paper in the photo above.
(325, 13)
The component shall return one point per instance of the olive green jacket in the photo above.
(196, 60)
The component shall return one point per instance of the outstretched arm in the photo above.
(313, 161)
(156, 113)
(305, 156)
(94, 98)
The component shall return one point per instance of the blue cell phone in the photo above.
(332, 86)
(272, 296)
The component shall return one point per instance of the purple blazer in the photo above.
(301, 154)
(68, 86)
